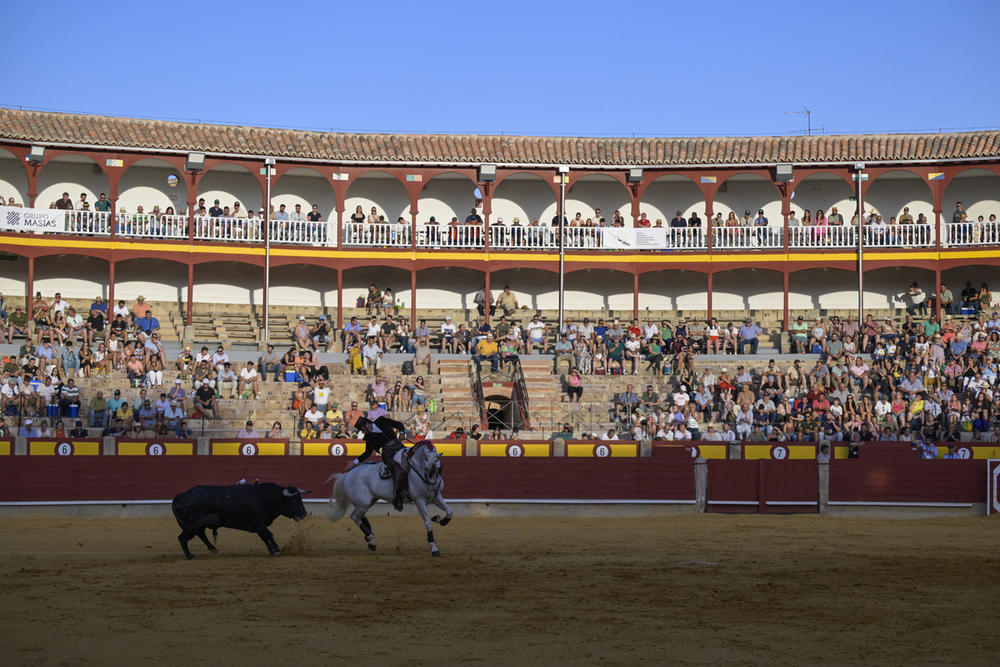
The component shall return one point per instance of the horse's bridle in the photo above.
(435, 472)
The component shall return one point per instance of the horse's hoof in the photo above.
(192, 557)
(214, 550)
(436, 554)
(276, 553)
(444, 521)
(371, 546)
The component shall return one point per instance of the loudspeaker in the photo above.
(195, 162)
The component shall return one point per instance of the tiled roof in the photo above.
(62, 128)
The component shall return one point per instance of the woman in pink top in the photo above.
(819, 222)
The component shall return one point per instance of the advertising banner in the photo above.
(32, 219)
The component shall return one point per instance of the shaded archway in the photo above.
(823, 191)
(305, 186)
(357, 280)
(886, 288)
(446, 196)
(979, 192)
(598, 191)
(668, 291)
(230, 283)
(13, 178)
(524, 196)
(450, 289)
(812, 290)
(14, 280)
(70, 173)
(161, 281)
(671, 193)
(740, 290)
(145, 184)
(230, 183)
(79, 278)
(976, 274)
(895, 190)
(381, 190)
(749, 192)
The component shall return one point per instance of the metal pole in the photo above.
(562, 255)
(861, 269)
(267, 250)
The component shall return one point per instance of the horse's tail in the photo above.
(338, 501)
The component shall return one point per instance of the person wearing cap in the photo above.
(747, 219)
(148, 416)
(301, 334)
(800, 334)
(321, 334)
(888, 329)
(178, 394)
(205, 402)
(748, 336)
(538, 335)
(447, 335)
(28, 430)
(248, 432)
(760, 224)
(172, 415)
(226, 380)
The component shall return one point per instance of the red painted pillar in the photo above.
(111, 287)
(635, 292)
(487, 289)
(340, 298)
(413, 299)
(190, 297)
(31, 286)
(709, 304)
(32, 185)
(937, 291)
(785, 276)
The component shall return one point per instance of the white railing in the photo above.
(450, 236)
(971, 233)
(383, 235)
(148, 226)
(515, 238)
(835, 236)
(686, 238)
(899, 236)
(302, 232)
(746, 238)
(233, 230)
(93, 223)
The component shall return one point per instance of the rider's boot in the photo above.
(400, 483)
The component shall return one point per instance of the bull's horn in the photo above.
(289, 494)
(304, 491)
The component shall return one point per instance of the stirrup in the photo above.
(397, 502)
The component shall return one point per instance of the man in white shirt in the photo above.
(710, 434)
(321, 395)
(727, 434)
(248, 376)
(585, 333)
(314, 415)
(538, 334)
(219, 359)
(59, 305)
(447, 333)
(649, 331)
(204, 355)
(297, 215)
(371, 355)
(610, 435)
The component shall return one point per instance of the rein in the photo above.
(436, 486)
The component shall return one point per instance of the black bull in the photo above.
(249, 507)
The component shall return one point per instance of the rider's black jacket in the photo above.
(384, 441)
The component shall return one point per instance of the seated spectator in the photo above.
(301, 334)
(372, 356)
(461, 342)
(146, 326)
(270, 364)
(538, 336)
(352, 333)
(18, 325)
(564, 352)
(748, 336)
(487, 348)
(205, 403)
(422, 356)
(633, 352)
(248, 382)
(321, 334)
(387, 334)
(226, 381)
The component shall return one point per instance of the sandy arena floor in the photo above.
(695, 590)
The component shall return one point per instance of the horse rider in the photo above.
(380, 436)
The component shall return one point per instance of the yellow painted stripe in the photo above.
(270, 449)
(132, 448)
(713, 451)
(624, 449)
(609, 257)
(225, 448)
(179, 448)
(754, 452)
(577, 450)
(456, 448)
(801, 452)
(841, 452)
(322, 447)
(493, 449)
(6, 448)
(541, 449)
(48, 448)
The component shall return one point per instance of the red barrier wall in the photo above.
(27, 478)
(908, 480)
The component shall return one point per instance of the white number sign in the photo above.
(602, 451)
(248, 449)
(64, 449)
(514, 451)
(337, 449)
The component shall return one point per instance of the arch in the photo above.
(746, 191)
(666, 195)
(305, 186)
(526, 196)
(885, 287)
(74, 173)
(672, 290)
(598, 191)
(228, 283)
(79, 278)
(748, 289)
(977, 274)
(14, 280)
(380, 189)
(979, 192)
(301, 285)
(230, 182)
(144, 183)
(161, 281)
(13, 178)
(447, 195)
(823, 288)
(450, 288)
(892, 191)
(823, 190)
(357, 280)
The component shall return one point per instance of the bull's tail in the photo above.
(338, 501)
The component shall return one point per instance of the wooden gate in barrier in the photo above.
(763, 486)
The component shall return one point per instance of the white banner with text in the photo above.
(32, 219)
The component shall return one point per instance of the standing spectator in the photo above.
(918, 300)
(484, 300)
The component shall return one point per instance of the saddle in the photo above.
(384, 471)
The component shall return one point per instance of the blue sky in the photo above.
(576, 68)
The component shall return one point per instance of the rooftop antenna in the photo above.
(808, 120)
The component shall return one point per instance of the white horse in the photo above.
(362, 487)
